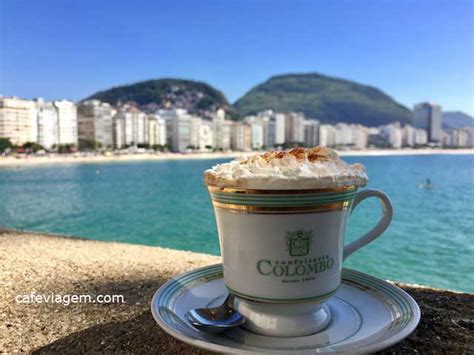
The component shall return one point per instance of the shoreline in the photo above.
(68, 159)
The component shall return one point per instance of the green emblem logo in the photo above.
(298, 242)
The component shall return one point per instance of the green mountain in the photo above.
(324, 98)
(457, 119)
(197, 97)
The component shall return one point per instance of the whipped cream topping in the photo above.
(299, 168)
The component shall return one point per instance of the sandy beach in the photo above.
(76, 158)
(45, 264)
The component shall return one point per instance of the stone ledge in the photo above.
(53, 264)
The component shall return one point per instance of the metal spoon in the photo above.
(216, 319)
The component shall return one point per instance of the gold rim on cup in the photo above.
(252, 201)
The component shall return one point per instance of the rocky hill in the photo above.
(324, 98)
(194, 96)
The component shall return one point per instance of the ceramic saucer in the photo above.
(367, 315)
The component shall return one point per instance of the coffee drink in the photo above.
(281, 218)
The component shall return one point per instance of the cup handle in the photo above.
(387, 213)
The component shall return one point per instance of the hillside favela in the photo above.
(188, 117)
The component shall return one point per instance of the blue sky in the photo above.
(413, 50)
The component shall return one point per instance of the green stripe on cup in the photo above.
(283, 300)
(282, 196)
(282, 203)
(289, 200)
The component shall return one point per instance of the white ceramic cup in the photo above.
(283, 250)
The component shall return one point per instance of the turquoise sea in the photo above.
(430, 241)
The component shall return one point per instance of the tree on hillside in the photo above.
(89, 144)
(158, 147)
(5, 144)
(66, 148)
(32, 147)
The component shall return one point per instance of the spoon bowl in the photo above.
(216, 319)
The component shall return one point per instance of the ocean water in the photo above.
(164, 203)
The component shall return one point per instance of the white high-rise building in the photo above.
(294, 128)
(221, 131)
(160, 131)
(132, 126)
(118, 129)
(259, 129)
(421, 137)
(129, 125)
(412, 136)
(395, 138)
(17, 120)
(269, 132)
(327, 135)
(205, 136)
(360, 136)
(94, 122)
(220, 113)
(142, 127)
(181, 129)
(67, 121)
(123, 127)
(151, 139)
(273, 128)
(195, 132)
(135, 125)
(265, 118)
(408, 136)
(470, 139)
(311, 133)
(168, 116)
(343, 134)
(429, 117)
(393, 133)
(241, 138)
(156, 130)
(118, 123)
(47, 123)
(280, 122)
(257, 135)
